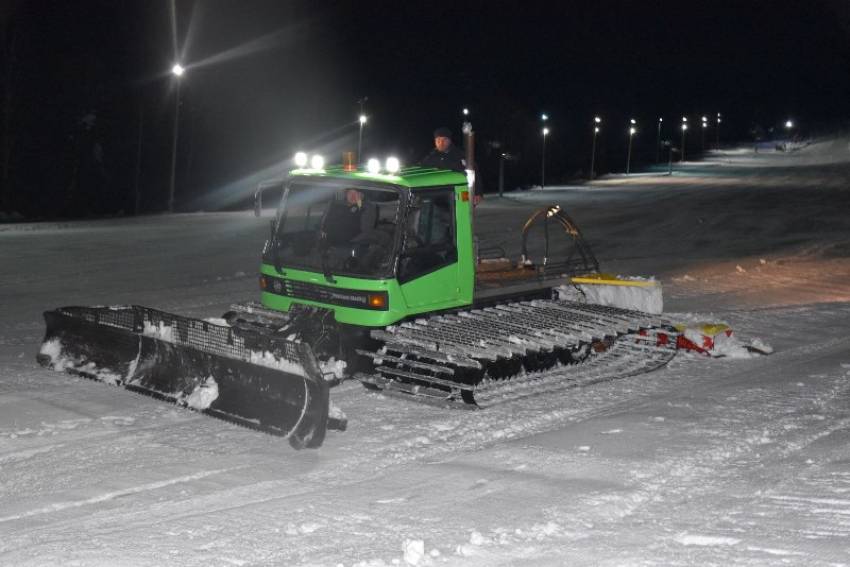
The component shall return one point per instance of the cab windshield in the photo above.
(336, 230)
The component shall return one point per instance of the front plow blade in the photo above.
(269, 384)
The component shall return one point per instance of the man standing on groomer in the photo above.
(444, 155)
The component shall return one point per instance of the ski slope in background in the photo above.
(720, 461)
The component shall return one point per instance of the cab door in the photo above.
(428, 264)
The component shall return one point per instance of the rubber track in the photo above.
(518, 334)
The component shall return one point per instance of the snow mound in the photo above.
(203, 395)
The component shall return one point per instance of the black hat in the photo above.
(442, 132)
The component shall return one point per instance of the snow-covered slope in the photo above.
(704, 462)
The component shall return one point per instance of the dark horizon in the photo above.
(89, 102)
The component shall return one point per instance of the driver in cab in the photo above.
(349, 218)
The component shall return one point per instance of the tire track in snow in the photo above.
(759, 427)
(61, 506)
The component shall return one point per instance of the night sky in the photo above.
(89, 103)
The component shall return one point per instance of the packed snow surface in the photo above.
(709, 461)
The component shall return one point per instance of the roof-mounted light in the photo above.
(373, 166)
(393, 165)
(317, 162)
(301, 159)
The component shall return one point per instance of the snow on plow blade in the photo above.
(269, 384)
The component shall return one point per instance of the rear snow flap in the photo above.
(271, 385)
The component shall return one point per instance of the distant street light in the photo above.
(684, 129)
(658, 142)
(543, 159)
(177, 72)
(363, 118)
(503, 157)
(704, 126)
(597, 121)
(717, 134)
(789, 124)
(632, 131)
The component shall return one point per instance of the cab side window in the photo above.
(430, 234)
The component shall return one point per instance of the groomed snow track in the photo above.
(454, 358)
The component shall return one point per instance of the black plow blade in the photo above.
(273, 385)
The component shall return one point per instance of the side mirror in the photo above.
(267, 246)
(258, 202)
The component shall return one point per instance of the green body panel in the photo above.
(350, 315)
(465, 250)
(445, 288)
(410, 177)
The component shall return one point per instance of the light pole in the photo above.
(789, 124)
(717, 134)
(704, 126)
(632, 131)
(177, 72)
(684, 129)
(545, 132)
(362, 119)
(596, 122)
(658, 142)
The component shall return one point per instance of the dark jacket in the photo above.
(343, 223)
(453, 159)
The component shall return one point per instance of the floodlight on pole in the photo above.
(597, 121)
(177, 71)
(632, 132)
(704, 126)
(789, 124)
(717, 133)
(545, 133)
(362, 119)
(684, 129)
(658, 141)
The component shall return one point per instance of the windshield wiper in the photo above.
(276, 253)
(323, 254)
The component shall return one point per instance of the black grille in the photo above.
(323, 294)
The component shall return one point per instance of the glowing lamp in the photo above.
(301, 159)
(373, 166)
(393, 165)
(317, 162)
